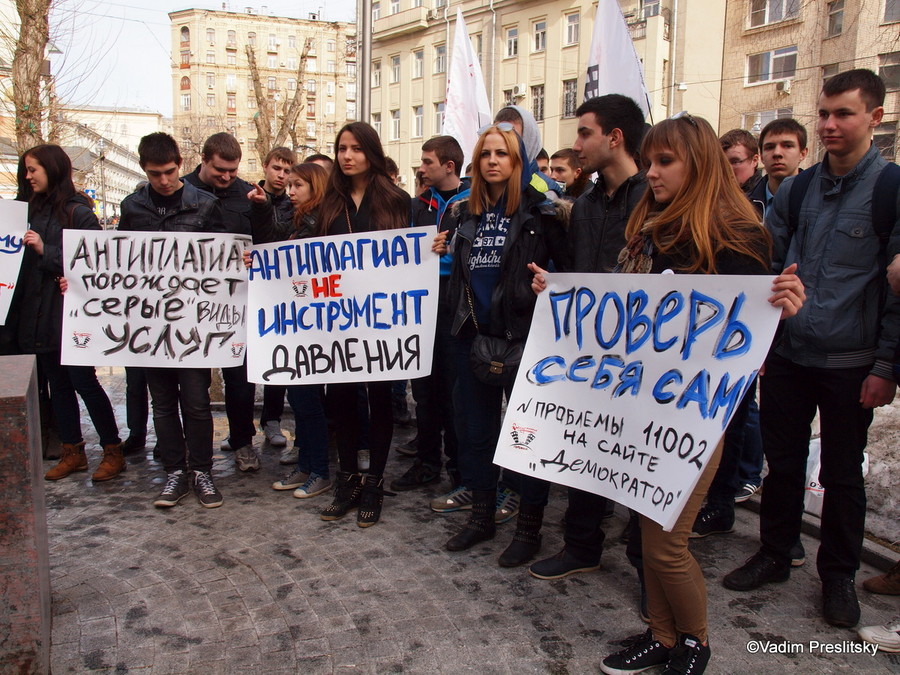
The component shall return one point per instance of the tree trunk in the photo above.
(263, 118)
(28, 62)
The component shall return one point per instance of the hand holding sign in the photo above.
(539, 282)
(789, 293)
(33, 239)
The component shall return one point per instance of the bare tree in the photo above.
(28, 71)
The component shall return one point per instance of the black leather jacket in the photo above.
(235, 205)
(199, 212)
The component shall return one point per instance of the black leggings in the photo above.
(344, 403)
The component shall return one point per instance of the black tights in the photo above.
(344, 403)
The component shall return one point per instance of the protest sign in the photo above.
(628, 382)
(13, 223)
(154, 299)
(350, 308)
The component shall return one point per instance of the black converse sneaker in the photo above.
(176, 487)
(689, 657)
(641, 655)
(206, 490)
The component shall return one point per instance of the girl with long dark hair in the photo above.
(45, 182)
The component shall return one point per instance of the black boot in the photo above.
(346, 496)
(526, 541)
(480, 526)
(370, 501)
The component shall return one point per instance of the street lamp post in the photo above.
(101, 146)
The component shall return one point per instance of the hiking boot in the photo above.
(887, 637)
(272, 431)
(371, 500)
(73, 459)
(480, 526)
(176, 487)
(839, 604)
(640, 656)
(112, 464)
(526, 541)
(560, 565)
(246, 459)
(289, 456)
(747, 491)
(312, 486)
(206, 490)
(458, 499)
(689, 657)
(885, 584)
(713, 520)
(346, 496)
(507, 506)
(759, 569)
(133, 444)
(418, 475)
(292, 481)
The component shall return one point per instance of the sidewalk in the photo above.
(262, 585)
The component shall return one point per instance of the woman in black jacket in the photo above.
(45, 182)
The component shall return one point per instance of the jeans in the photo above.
(751, 465)
(790, 396)
(273, 403)
(240, 397)
(64, 382)
(583, 534)
(137, 402)
(312, 428)
(345, 407)
(191, 431)
(726, 483)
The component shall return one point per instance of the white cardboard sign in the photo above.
(154, 299)
(13, 223)
(628, 382)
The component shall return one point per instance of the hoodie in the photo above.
(531, 137)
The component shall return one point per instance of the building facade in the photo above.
(534, 54)
(781, 51)
(123, 126)
(304, 62)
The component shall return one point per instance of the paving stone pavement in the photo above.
(262, 585)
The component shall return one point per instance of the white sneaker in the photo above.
(272, 431)
(363, 461)
(747, 491)
(290, 455)
(314, 485)
(887, 637)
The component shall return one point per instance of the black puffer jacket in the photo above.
(235, 205)
(40, 303)
(199, 212)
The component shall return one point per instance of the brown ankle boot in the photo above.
(885, 584)
(73, 459)
(112, 464)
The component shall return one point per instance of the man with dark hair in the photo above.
(742, 152)
(835, 356)
(181, 408)
(565, 167)
(322, 160)
(217, 174)
(543, 162)
(440, 168)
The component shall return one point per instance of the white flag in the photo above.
(613, 64)
(467, 108)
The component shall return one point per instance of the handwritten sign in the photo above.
(154, 299)
(13, 223)
(351, 308)
(628, 382)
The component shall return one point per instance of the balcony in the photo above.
(408, 21)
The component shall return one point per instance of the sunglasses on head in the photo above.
(684, 115)
(502, 126)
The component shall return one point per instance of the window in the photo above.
(330, 67)
(512, 42)
(573, 28)
(329, 128)
(889, 70)
(885, 139)
(185, 59)
(476, 46)
(376, 74)
(329, 107)
(210, 57)
(418, 63)
(292, 63)
(835, 18)
(570, 97)
(329, 88)
(292, 84)
(755, 121)
(351, 110)
(231, 82)
(273, 41)
(251, 164)
(537, 102)
(311, 109)
(270, 83)
(292, 42)
(310, 45)
(540, 36)
(439, 118)
(312, 64)
(330, 46)
(231, 103)
(231, 59)
(891, 11)
(185, 102)
(310, 129)
(651, 8)
(210, 81)
(440, 59)
(210, 121)
(185, 35)
(416, 3)
(395, 125)
(778, 64)
(351, 70)
(272, 61)
(251, 39)
(232, 39)
(395, 69)
(418, 121)
(351, 91)
(185, 84)
(211, 100)
(770, 11)
(830, 70)
(311, 87)
(211, 36)
(251, 102)
(395, 6)
(508, 98)
(376, 123)
(376, 11)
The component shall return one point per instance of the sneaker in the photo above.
(759, 569)
(746, 492)
(887, 637)
(643, 655)
(272, 432)
(713, 520)
(798, 554)
(410, 448)
(292, 481)
(206, 490)
(561, 565)
(176, 487)
(418, 475)
(246, 458)
(458, 499)
(689, 657)
(363, 459)
(314, 485)
(225, 445)
(289, 456)
(839, 604)
(507, 505)
(133, 444)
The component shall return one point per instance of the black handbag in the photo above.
(494, 360)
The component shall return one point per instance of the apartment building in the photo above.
(780, 52)
(307, 60)
(533, 53)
